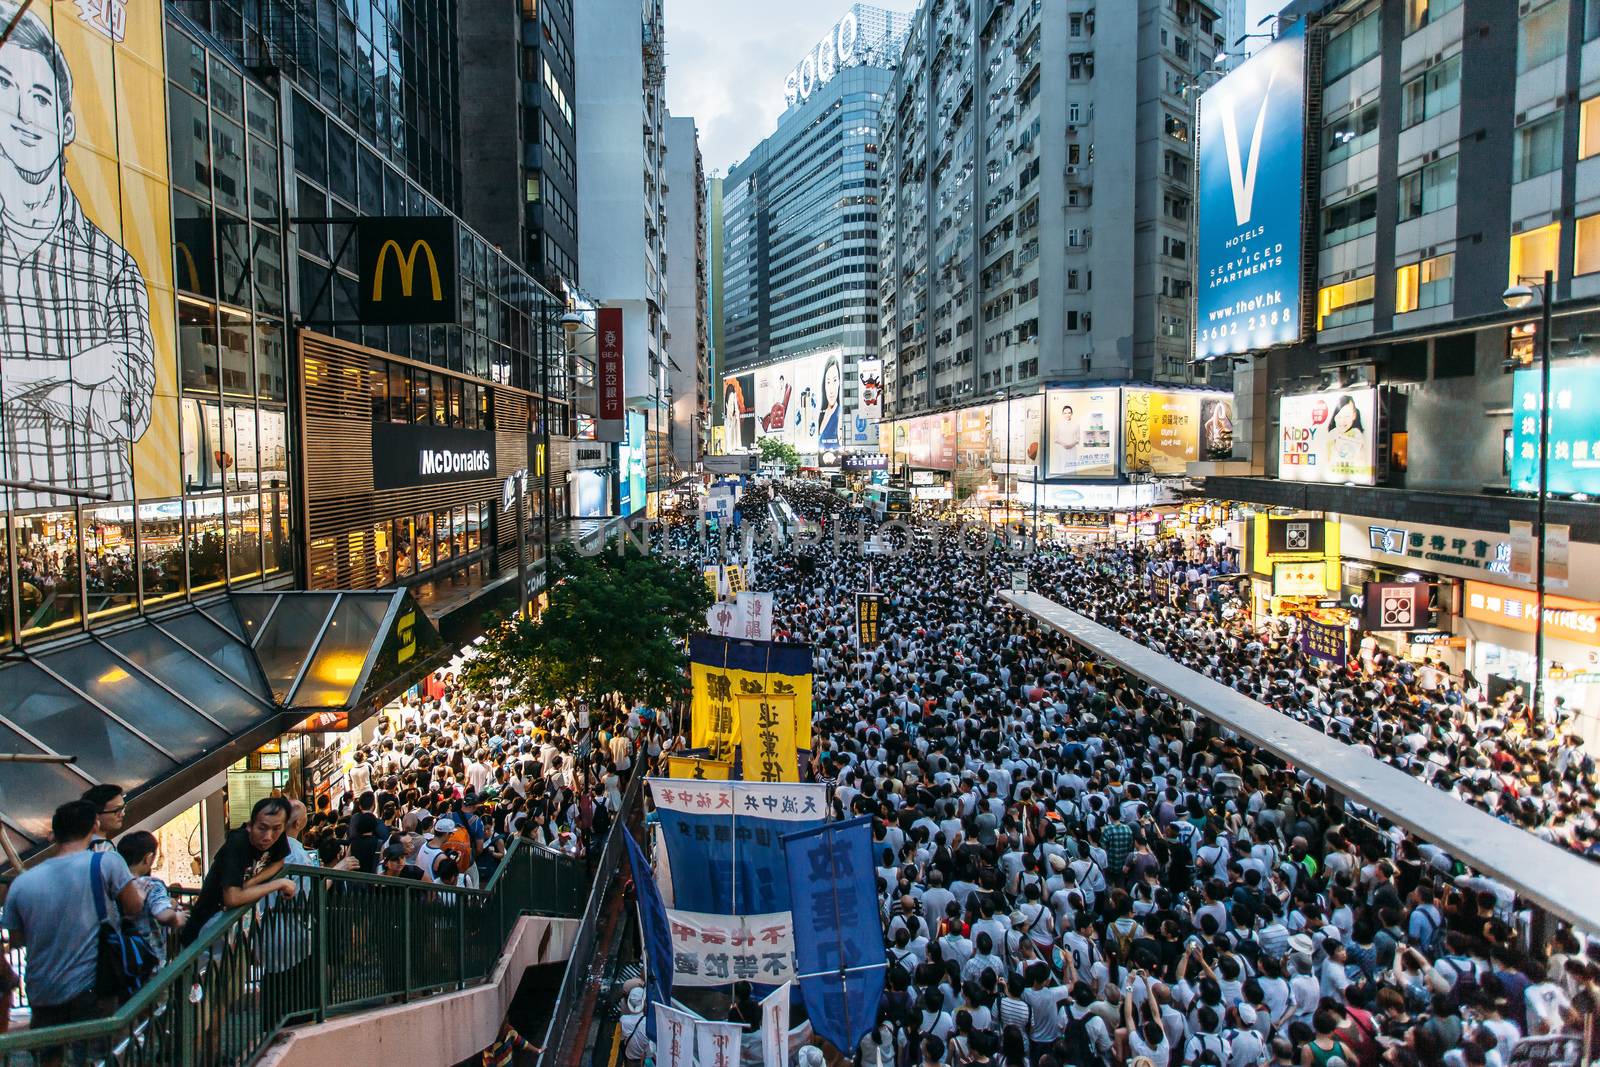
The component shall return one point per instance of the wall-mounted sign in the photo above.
(1295, 535)
(1251, 151)
(1445, 549)
(1300, 579)
(404, 455)
(1517, 609)
(834, 52)
(407, 270)
(1574, 430)
(609, 424)
(1329, 437)
(589, 455)
(1395, 605)
(864, 461)
(1431, 637)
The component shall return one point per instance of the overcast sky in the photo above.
(726, 61)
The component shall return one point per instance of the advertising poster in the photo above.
(972, 439)
(739, 412)
(591, 493)
(1216, 427)
(926, 441)
(869, 408)
(1574, 430)
(802, 401)
(1251, 139)
(1160, 430)
(1329, 437)
(631, 466)
(90, 383)
(1083, 432)
(1016, 433)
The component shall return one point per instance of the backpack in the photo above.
(1433, 942)
(125, 960)
(1075, 1036)
(1465, 990)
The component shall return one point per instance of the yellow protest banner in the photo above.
(698, 769)
(721, 670)
(766, 736)
(735, 573)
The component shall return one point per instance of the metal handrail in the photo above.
(331, 949)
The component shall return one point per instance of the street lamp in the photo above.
(1517, 297)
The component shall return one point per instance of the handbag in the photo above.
(125, 960)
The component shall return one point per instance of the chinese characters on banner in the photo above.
(753, 617)
(1324, 641)
(775, 1025)
(735, 578)
(766, 735)
(714, 581)
(721, 618)
(717, 1044)
(718, 950)
(722, 670)
(696, 769)
(610, 425)
(869, 611)
(1300, 579)
(675, 1036)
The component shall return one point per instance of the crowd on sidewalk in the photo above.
(1074, 871)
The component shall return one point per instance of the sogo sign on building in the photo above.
(836, 50)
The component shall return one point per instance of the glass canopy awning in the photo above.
(164, 702)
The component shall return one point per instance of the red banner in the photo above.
(609, 370)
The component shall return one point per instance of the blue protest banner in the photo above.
(653, 928)
(723, 840)
(837, 937)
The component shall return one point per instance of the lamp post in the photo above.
(1515, 297)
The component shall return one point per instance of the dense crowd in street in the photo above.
(1074, 871)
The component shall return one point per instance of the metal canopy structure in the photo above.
(1540, 873)
(164, 702)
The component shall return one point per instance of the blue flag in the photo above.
(653, 927)
(837, 938)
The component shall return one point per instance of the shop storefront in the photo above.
(1293, 561)
(404, 468)
(1501, 624)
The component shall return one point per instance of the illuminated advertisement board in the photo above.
(739, 412)
(1329, 437)
(1083, 431)
(1016, 434)
(1162, 429)
(802, 401)
(1574, 430)
(927, 441)
(631, 495)
(1251, 142)
(90, 362)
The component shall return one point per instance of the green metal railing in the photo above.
(344, 942)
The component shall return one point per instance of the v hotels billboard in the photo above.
(87, 324)
(1251, 140)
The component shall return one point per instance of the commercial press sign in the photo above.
(1251, 140)
(405, 455)
(407, 270)
(1329, 437)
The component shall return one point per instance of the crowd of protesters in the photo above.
(1076, 871)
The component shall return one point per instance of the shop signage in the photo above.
(609, 422)
(1574, 435)
(590, 455)
(404, 455)
(836, 51)
(1430, 637)
(407, 270)
(1470, 549)
(1300, 579)
(1517, 609)
(1286, 536)
(1395, 605)
(864, 461)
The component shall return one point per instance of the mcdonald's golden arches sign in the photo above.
(408, 271)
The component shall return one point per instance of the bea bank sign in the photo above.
(835, 51)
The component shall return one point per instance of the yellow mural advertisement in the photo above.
(88, 358)
(1160, 430)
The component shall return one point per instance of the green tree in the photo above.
(778, 451)
(616, 623)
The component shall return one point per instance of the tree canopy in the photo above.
(615, 623)
(777, 450)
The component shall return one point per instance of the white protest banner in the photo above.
(722, 619)
(754, 614)
(675, 1037)
(717, 1044)
(775, 1025)
(718, 950)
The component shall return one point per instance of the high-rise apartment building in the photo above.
(622, 152)
(1036, 164)
(713, 212)
(688, 342)
(800, 236)
(520, 178)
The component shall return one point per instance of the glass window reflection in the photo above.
(110, 574)
(47, 570)
(207, 568)
(161, 549)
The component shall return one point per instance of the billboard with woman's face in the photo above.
(739, 411)
(1329, 437)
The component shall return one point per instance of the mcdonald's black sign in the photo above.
(408, 271)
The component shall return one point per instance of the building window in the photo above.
(1589, 126)
(1586, 256)
(1534, 252)
(1429, 189)
(1344, 137)
(1344, 303)
(1542, 35)
(1538, 148)
(1431, 93)
(1425, 285)
(47, 569)
(1420, 13)
(1349, 219)
(1350, 49)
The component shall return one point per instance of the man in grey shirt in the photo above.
(51, 911)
